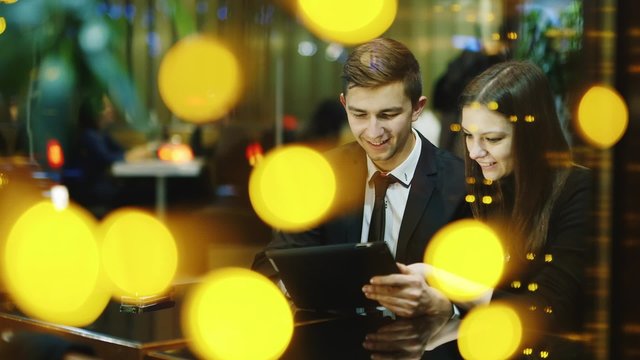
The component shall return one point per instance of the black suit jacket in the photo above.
(436, 198)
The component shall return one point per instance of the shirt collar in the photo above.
(405, 171)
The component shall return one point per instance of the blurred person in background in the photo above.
(324, 129)
(95, 152)
(447, 91)
(476, 56)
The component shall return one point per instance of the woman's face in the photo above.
(107, 113)
(488, 136)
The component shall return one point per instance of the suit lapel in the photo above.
(422, 187)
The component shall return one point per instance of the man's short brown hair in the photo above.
(380, 62)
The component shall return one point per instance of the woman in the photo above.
(517, 155)
(96, 152)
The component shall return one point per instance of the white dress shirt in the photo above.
(395, 199)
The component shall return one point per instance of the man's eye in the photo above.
(387, 116)
(359, 116)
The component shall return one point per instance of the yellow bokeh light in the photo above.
(139, 253)
(468, 260)
(347, 22)
(292, 188)
(602, 117)
(491, 332)
(199, 79)
(4, 180)
(237, 314)
(3, 24)
(51, 265)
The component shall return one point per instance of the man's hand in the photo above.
(407, 294)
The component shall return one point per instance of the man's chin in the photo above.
(377, 156)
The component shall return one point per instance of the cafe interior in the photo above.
(140, 247)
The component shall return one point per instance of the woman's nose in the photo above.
(476, 151)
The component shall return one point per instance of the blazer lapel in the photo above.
(422, 187)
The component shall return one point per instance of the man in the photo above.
(382, 96)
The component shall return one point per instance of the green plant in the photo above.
(553, 43)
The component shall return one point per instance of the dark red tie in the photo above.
(376, 226)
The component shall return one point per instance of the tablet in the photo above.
(330, 277)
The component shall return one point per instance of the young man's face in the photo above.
(380, 119)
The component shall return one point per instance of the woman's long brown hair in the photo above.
(541, 153)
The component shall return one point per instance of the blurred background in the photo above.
(86, 84)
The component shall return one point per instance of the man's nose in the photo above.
(374, 128)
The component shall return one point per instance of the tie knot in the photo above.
(382, 181)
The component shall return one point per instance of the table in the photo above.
(157, 335)
(160, 170)
(343, 337)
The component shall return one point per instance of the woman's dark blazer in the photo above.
(549, 286)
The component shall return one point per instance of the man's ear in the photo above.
(343, 101)
(417, 109)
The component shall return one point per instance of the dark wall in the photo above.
(625, 313)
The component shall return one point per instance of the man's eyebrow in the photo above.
(391, 109)
(351, 108)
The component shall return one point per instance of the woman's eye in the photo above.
(493, 140)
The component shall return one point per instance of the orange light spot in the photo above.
(55, 155)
